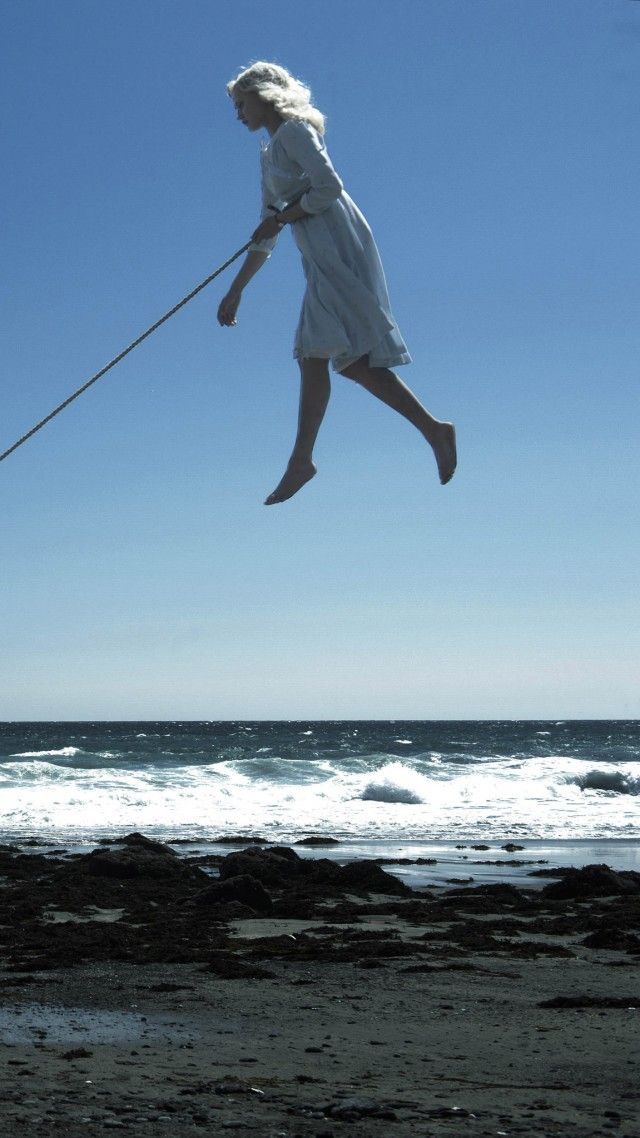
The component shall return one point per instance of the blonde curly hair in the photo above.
(278, 87)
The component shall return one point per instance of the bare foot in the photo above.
(293, 479)
(444, 448)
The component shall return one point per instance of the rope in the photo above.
(125, 352)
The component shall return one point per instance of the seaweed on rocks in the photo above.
(133, 899)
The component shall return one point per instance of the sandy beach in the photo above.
(298, 996)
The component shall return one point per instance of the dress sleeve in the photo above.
(269, 243)
(305, 147)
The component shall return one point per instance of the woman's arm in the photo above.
(228, 308)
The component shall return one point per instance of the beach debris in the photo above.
(229, 967)
(450, 1112)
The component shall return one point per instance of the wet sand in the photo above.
(292, 996)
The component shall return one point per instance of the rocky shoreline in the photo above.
(277, 995)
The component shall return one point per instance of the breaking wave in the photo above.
(613, 782)
(341, 779)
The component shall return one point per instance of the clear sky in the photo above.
(493, 146)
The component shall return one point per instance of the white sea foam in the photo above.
(395, 781)
(542, 797)
(64, 752)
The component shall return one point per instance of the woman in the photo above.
(345, 317)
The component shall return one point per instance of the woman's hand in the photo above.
(228, 308)
(266, 229)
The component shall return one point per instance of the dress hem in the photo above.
(339, 363)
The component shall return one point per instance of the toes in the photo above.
(448, 458)
(293, 481)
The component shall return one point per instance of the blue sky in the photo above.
(493, 146)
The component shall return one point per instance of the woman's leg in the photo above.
(385, 385)
(315, 388)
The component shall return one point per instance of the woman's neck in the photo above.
(272, 120)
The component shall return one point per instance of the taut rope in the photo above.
(121, 355)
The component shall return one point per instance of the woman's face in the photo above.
(251, 109)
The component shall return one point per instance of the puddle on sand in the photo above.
(32, 1023)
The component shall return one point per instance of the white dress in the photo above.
(345, 311)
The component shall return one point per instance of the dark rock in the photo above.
(267, 866)
(281, 868)
(507, 861)
(594, 881)
(485, 898)
(224, 911)
(534, 948)
(138, 841)
(317, 840)
(558, 871)
(139, 857)
(511, 847)
(449, 1112)
(232, 1086)
(613, 938)
(240, 840)
(367, 877)
(286, 852)
(501, 893)
(243, 888)
(350, 1109)
(203, 859)
(134, 862)
(168, 987)
(591, 1002)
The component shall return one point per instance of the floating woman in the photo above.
(346, 316)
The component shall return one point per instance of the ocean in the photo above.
(375, 782)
